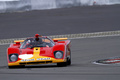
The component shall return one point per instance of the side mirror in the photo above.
(18, 43)
(55, 40)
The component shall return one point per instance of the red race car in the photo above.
(39, 50)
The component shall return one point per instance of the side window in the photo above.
(46, 40)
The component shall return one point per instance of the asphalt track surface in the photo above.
(84, 53)
(73, 20)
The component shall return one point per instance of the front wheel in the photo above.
(69, 59)
(69, 62)
(62, 64)
(22, 66)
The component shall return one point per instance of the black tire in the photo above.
(22, 66)
(63, 64)
(69, 62)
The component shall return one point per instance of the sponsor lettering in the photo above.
(28, 60)
(37, 59)
(43, 58)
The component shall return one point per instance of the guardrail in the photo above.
(26, 5)
(70, 36)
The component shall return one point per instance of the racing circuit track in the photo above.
(84, 53)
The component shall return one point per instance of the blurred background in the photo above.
(27, 5)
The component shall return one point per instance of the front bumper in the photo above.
(43, 60)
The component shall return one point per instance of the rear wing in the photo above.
(59, 38)
(18, 41)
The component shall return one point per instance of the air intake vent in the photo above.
(40, 62)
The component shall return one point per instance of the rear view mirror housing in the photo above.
(18, 43)
(55, 40)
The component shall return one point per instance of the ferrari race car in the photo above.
(39, 50)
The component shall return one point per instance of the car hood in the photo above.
(44, 51)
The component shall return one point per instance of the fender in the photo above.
(59, 47)
(13, 50)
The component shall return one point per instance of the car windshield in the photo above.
(37, 42)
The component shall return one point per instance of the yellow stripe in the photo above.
(36, 52)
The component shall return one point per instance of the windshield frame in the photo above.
(31, 43)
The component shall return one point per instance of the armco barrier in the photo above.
(70, 36)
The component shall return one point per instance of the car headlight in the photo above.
(58, 54)
(25, 56)
(13, 57)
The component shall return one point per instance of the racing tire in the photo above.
(63, 64)
(22, 66)
(69, 62)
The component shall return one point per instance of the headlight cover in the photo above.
(58, 54)
(25, 56)
(13, 57)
